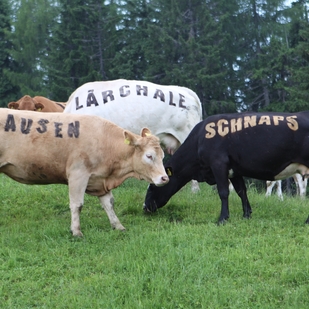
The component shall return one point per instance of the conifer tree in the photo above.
(8, 90)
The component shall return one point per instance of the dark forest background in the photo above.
(237, 55)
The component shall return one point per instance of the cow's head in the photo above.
(26, 103)
(157, 197)
(148, 157)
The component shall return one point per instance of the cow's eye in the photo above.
(150, 157)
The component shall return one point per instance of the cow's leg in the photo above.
(107, 202)
(221, 177)
(269, 185)
(279, 189)
(301, 185)
(240, 188)
(195, 186)
(77, 188)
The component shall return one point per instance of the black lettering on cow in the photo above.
(77, 104)
(181, 100)
(211, 132)
(122, 93)
(42, 123)
(249, 121)
(140, 88)
(58, 129)
(171, 99)
(25, 125)
(73, 129)
(91, 99)
(223, 130)
(10, 123)
(159, 93)
(236, 125)
(106, 94)
(292, 123)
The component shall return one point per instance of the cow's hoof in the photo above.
(77, 234)
(307, 221)
(119, 227)
(222, 221)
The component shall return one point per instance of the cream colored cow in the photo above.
(87, 153)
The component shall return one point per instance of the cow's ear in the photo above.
(13, 105)
(129, 138)
(38, 107)
(169, 171)
(145, 132)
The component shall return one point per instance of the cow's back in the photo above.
(37, 147)
(270, 141)
(135, 104)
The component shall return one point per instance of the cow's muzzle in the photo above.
(150, 207)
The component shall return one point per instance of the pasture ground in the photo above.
(176, 258)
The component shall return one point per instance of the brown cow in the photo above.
(88, 153)
(38, 104)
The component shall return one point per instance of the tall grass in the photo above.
(176, 258)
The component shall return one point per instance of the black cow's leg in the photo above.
(223, 191)
(307, 221)
(241, 190)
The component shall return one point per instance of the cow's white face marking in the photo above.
(294, 168)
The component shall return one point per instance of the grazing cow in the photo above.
(266, 146)
(38, 104)
(170, 112)
(301, 186)
(88, 153)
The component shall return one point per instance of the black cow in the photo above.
(266, 146)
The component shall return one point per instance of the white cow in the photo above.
(170, 112)
(301, 186)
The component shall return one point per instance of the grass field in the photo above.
(176, 258)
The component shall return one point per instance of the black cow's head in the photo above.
(157, 197)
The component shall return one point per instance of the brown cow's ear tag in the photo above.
(147, 134)
(39, 109)
(169, 171)
(126, 141)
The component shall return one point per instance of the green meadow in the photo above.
(176, 258)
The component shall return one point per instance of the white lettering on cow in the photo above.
(277, 119)
(249, 121)
(223, 130)
(236, 125)
(265, 120)
(224, 126)
(211, 132)
(292, 123)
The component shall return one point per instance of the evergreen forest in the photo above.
(237, 55)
